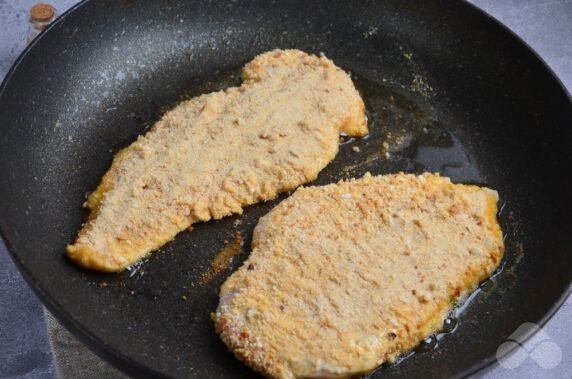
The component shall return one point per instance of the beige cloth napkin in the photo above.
(72, 359)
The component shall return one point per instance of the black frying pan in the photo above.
(470, 100)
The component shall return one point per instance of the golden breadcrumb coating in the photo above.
(214, 154)
(345, 277)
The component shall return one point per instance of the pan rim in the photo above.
(133, 367)
(487, 364)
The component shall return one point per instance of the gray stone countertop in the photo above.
(546, 25)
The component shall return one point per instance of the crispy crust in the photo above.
(347, 276)
(214, 154)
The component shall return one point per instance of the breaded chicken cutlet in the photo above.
(214, 154)
(345, 277)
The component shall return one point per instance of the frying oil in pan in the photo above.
(406, 134)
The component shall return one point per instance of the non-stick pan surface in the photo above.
(449, 89)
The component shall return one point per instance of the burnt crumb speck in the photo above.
(224, 259)
(282, 308)
(391, 336)
(250, 267)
